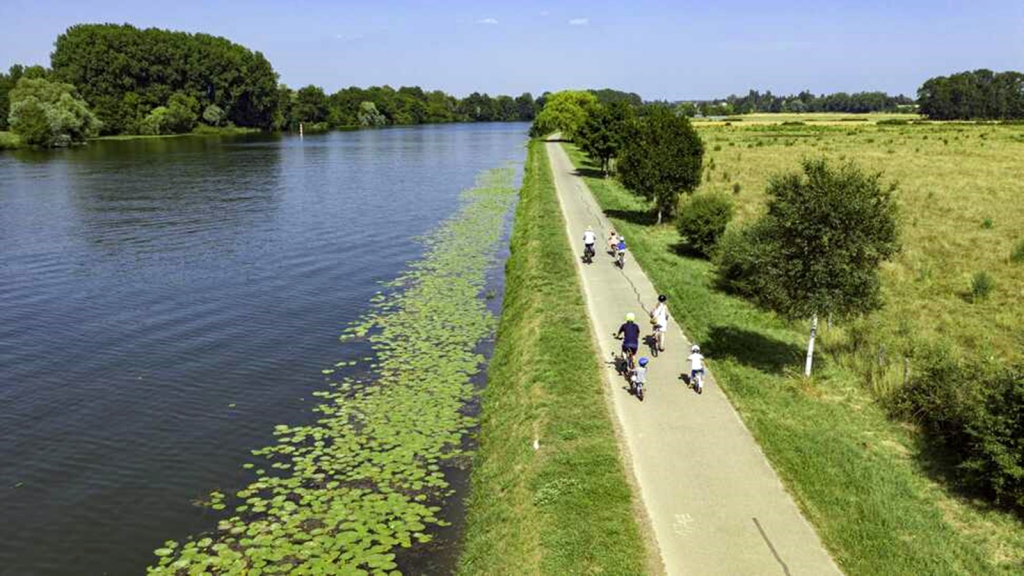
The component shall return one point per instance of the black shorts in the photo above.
(630, 348)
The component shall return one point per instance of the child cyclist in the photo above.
(696, 369)
(638, 379)
(659, 321)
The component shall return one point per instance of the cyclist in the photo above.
(696, 368)
(620, 251)
(639, 377)
(613, 242)
(630, 334)
(659, 319)
(589, 239)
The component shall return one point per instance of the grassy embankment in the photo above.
(565, 508)
(9, 141)
(861, 478)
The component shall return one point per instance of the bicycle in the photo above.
(697, 380)
(588, 253)
(620, 259)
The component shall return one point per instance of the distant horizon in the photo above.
(658, 50)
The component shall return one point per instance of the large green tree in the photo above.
(825, 233)
(45, 113)
(563, 112)
(602, 132)
(124, 73)
(661, 158)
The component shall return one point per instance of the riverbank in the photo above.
(549, 492)
(856, 474)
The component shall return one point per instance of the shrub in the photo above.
(892, 122)
(986, 223)
(736, 188)
(982, 285)
(45, 113)
(214, 115)
(737, 257)
(975, 414)
(1017, 255)
(703, 219)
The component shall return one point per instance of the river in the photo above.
(164, 303)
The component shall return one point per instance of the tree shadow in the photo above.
(684, 249)
(641, 217)
(590, 172)
(751, 349)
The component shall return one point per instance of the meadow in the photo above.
(877, 495)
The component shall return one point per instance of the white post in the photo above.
(810, 345)
(300, 129)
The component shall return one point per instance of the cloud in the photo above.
(579, 22)
(487, 21)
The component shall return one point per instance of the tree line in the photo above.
(977, 95)
(805, 101)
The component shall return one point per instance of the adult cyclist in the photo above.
(589, 239)
(630, 334)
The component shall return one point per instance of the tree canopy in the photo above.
(603, 130)
(563, 112)
(977, 95)
(661, 158)
(45, 113)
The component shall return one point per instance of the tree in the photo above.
(46, 113)
(703, 220)
(563, 112)
(602, 131)
(370, 116)
(825, 233)
(661, 158)
(7, 83)
(525, 107)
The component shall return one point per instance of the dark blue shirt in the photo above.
(631, 334)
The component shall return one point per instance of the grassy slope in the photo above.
(567, 508)
(851, 469)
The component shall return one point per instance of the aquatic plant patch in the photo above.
(340, 495)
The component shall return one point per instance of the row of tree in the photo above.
(977, 95)
(755, 101)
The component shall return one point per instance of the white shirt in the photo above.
(660, 314)
(589, 237)
(696, 361)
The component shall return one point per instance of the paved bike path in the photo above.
(715, 504)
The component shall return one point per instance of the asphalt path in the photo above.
(715, 504)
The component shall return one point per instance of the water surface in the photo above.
(165, 302)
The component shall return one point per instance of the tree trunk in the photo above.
(659, 216)
(810, 345)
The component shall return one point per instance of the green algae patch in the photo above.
(343, 494)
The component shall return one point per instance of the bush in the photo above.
(214, 115)
(982, 285)
(703, 219)
(975, 414)
(892, 122)
(45, 113)
(1017, 256)
(737, 257)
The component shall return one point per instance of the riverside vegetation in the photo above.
(562, 505)
(887, 495)
(342, 494)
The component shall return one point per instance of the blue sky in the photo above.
(671, 50)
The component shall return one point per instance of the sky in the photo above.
(660, 50)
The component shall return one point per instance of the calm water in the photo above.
(164, 303)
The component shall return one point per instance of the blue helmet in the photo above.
(643, 361)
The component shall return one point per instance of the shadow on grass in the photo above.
(751, 349)
(684, 249)
(589, 172)
(641, 217)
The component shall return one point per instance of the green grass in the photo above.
(9, 141)
(858, 476)
(567, 507)
(200, 130)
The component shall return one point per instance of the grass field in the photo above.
(565, 508)
(860, 477)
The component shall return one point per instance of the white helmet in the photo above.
(695, 349)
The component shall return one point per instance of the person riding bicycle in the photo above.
(589, 239)
(659, 320)
(613, 242)
(639, 376)
(696, 366)
(630, 334)
(620, 249)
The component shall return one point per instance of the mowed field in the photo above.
(961, 190)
